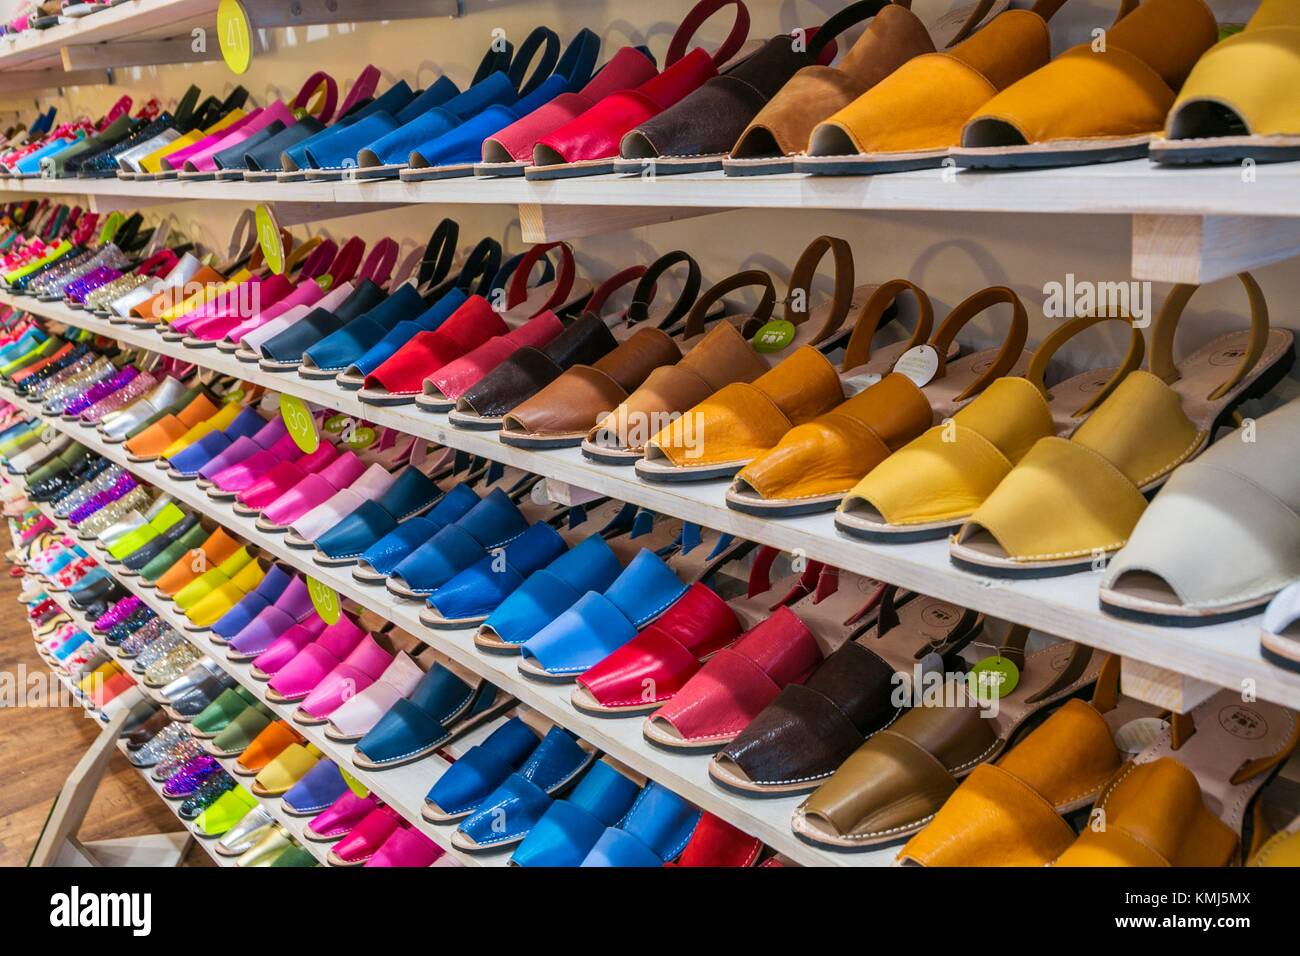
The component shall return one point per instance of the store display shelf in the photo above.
(1128, 188)
(402, 788)
(1224, 655)
(1188, 225)
(155, 32)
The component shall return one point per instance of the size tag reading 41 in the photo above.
(325, 600)
(235, 34)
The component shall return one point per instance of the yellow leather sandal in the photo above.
(929, 487)
(1183, 800)
(1072, 502)
(814, 464)
(1239, 102)
(1014, 811)
(1098, 102)
(914, 116)
(741, 421)
(738, 349)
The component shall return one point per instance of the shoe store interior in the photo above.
(709, 433)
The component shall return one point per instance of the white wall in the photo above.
(949, 254)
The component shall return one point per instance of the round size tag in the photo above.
(1140, 733)
(355, 785)
(336, 423)
(235, 34)
(362, 437)
(300, 422)
(773, 336)
(919, 363)
(325, 600)
(993, 678)
(270, 238)
(857, 384)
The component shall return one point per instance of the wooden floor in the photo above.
(40, 746)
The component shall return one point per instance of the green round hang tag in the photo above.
(362, 437)
(773, 336)
(235, 35)
(336, 423)
(355, 785)
(299, 421)
(325, 600)
(269, 238)
(993, 678)
(325, 282)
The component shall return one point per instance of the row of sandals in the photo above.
(810, 412)
(984, 91)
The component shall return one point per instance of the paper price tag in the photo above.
(235, 34)
(857, 384)
(919, 363)
(300, 422)
(325, 600)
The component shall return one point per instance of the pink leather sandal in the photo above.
(314, 662)
(359, 670)
(355, 717)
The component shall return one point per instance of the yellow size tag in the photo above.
(235, 34)
(270, 239)
(325, 600)
(300, 422)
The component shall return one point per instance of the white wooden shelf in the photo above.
(1224, 655)
(1188, 225)
(152, 32)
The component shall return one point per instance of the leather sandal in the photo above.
(815, 464)
(695, 133)
(1183, 800)
(896, 781)
(902, 499)
(588, 145)
(809, 729)
(1093, 484)
(528, 371)
(1051, 117)
(734, 351)
(1226, 111)
(882, 130)
(1015, 811)
(1222, 537)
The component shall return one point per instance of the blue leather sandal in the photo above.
(599, 623)
(571, 827)
(442, 708)
(655, 832)
(479, 771)
(504, 817)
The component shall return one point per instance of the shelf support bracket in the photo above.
(1201, 249)
(540, 222)
(1162, 687)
